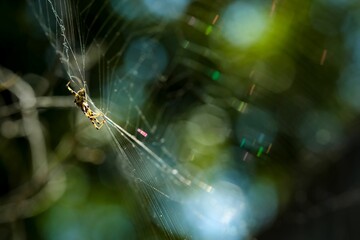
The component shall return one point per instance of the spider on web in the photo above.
(82, 103)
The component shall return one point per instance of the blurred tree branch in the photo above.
(48, 181)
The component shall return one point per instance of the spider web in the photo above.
(135, 58)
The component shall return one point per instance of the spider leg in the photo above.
(70, 89)
(97, 124)
(98, 114)
(93, 118)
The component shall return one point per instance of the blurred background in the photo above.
(259, 99)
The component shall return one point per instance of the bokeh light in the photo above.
(129, 9)
(262, 201)
(256, 128)
(205, 118)
(144, 59)
(166, 9)
(351, 32)
(90, 221)
(138, 9)
(349, 86)
(75, 217)
(243, 23)
(275, 73)
(320, 131)
(219, 214)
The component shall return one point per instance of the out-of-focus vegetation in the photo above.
(272, 100)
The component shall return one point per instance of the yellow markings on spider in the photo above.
(81, 102)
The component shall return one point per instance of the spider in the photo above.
(81, 102)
